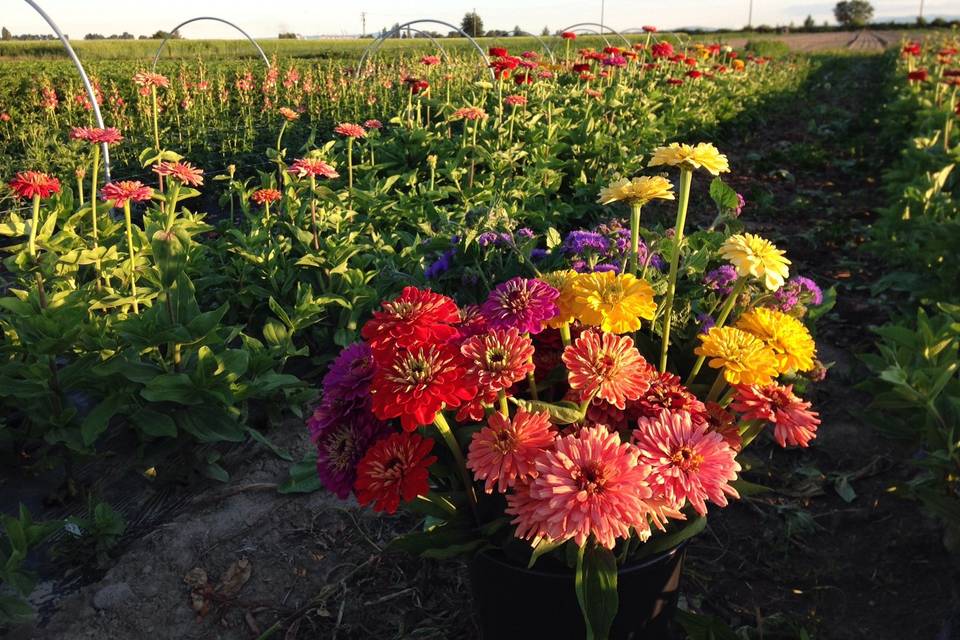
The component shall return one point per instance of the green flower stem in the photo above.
(283, 128)
(313, 212)
(350, 164)
(565, 334)
(635, 208)
(93, 208)
(504, 407)
(717, 387)
(133, 257)
(686, 177)
(451, 440)
(172, 204)
(156, 124)
(532, 381)
(725, 310)
(32, 242)
(749, 431)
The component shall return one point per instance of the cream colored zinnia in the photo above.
(754, 256)
(700, 156)
(638, 191)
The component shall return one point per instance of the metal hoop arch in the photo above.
(156, 57)
(436, 42)
(592, 32)
(373, 47)
(83, 76)
(602, 28)
(543, 45)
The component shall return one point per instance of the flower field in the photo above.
(352, 338)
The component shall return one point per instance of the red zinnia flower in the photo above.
(568, 35)
(184, 172)
(394, 469)
(125, 191)
(693, 73)
(498, 52)
(429, 60)
(499, 358)
(662, 50)
(29, 184)
(581, 67)
(312, 167)
(149, 79)
(665, 392)
(417, 317)
(503, 452)
(414, 385)
(263, 196)
(920, 75)
(675, 81)
(649, 29)
(606, 366)
(793, 421)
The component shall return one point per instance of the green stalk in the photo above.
(172, 205)
(565, 334)
(504, 407)
(686, 177)
(32, 242)
(451, 440)
(156, 124)
(313, 212)
(350, 165)
(133, 257)
(716, 387)
(721, 319)
(635, 208)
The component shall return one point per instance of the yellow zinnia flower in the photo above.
(787, 336)
(744, 358)
(691, 157)
(638, 191)
(563, 281)
(757, 257)
(613, 302)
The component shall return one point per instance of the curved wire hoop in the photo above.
(543, 45)
(602, 27)
(374, 46)
(436, 43)
(83, 77)
(156, 57)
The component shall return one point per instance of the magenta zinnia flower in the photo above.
(350, 374)
(608, 367)
(342, 434)
(498, 358)
(793, 422)
(587, 484)
(687, 461)
(503, 452)
(521, 304)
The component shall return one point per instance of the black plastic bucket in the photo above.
(512, 601)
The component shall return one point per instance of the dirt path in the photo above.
(805, 558)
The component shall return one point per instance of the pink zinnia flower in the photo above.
(29, 184)
(521, 303)
(148, 79)
(608, 367)
(503, 452)
(350, 130)
(588, 484)
(498, 358)
(312, 167)
(793, 422)
(429, 61)
(665, 392)
(125, 191)
(373, 124)
(515, 100)
(687, 461)
(184, 172)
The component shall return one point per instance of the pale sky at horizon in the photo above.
(265, 20)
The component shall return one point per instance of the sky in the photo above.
(267, 19)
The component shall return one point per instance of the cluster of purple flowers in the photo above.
(343, 426)
(504, 238)
(721, 279)
(582, 242)
(441, 265)
(605, 248)
(798, 290)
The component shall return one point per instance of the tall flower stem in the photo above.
(451, 440)
(94, 175)
(283, 128)
(721, 319)
(156, 124)
(32, 248)
(717, 387)
(313, 212)
(635, 208)
(350, 165)
(504, 407)
(133, 257)
(686, 177)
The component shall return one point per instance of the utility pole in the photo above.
(750, 16)
(475, 34)
(920, 18)
(602, 11)
(363, 18)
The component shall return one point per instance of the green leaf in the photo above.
(844, 489)
(560, 413)
(701, 627)
(543, 547)
(277, 451)
(97, 420)
(210, 424)
(596, 585)
(303, 476)
(723, 195)
(154, 423)
(171, 387)
(667, 541)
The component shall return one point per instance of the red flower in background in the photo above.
(394, 469)
(920, 75)
(30, 184)
(568, 35)
(93, 135)
(649, 29)
(416, 318)
(183, 172)
(350, 130)
(125, 191)
(429, 61)
(4, 117)
(373, 124)
(497, 52)
(263, 196)
(662, 50)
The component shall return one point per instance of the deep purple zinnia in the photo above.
(342, 445)
(721, 279)
(350, 374)
(522, 304)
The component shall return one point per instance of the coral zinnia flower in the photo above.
(148, 79)
(414, 385)
(503, 452)
(125, 191)
(521, 303)
(342, 439)
(429, 61)
(469, 113)
(350, 130)
(498, 358)
(183, 172)
(394, 469)
(263, 196)
(564, 282)
(28, 184)
(691, 157)
(757, 257)
(289, 114)
(606, 366)
(638, 191)
(110, 135)
(304, 167)
(615, 302)
(787, 336)
(742, 356)
(373, 124)
(793, 422)
(415, 318)
(687, 461)
(588, 484)
(350, 373)
(665, 392)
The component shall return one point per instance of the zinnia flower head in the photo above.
(662, 50)
(125, 191)
(429, 61)
(93, 135)
(702, 155)
(515, 100)
(415, 318)
(524, 304)
(787, 336)
(503, 452)
(614, 302)
(373, 124)
(149, 79)
(794, 424)
(744, 358)
(588, 484)
(687, 461)
(342, 439)
(498, 358)
(29, 184)
(568, 35)
(564, 282)
(265, 196)
(394, 469)
(350, 374)
(638, 191)
(469, 113)
(350, 130)
(288, 114)
(414, 385)
(304, 167)
(606, 366)
(757, 257)
(665, 392)
(183, 172)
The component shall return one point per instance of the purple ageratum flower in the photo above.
(350, 373)
(580, 266)
(721, 279)
(440, 266)
(341, 446)
(579, 242)
(506, 239)
(524, 304)
(607, 266)
(706, 322)
(798, 289)
(657, 262)
(538, 254)
(526, 233)
(487, 238)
